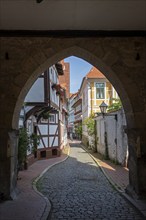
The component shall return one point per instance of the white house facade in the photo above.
(45, 113)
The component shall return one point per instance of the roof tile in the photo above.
(95, 73)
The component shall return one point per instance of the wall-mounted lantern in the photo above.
(103, 108)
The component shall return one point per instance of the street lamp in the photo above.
(103, 108)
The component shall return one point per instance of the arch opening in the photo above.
(90, 58)
(38, 62)
(98, 62)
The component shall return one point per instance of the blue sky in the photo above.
(78, 69)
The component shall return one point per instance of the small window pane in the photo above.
(52, 118)
(100, 94)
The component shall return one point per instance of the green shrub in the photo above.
(116, 105)
(90, 123)
(23, 144)
(78, 130)
(34, 141)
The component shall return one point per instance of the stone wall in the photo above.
(120, 59)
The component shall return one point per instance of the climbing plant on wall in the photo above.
(34, 141)
(89, 122)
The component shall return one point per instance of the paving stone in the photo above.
(79, 190)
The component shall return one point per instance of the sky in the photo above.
(78, 69)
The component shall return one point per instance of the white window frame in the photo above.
(50, 119)
(96, 91)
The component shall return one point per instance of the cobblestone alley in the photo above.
(77, 189)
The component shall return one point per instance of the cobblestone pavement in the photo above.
(78, 189)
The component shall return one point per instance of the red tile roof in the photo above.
(95, 73)
(73, 94)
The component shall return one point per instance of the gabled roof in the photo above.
(95, 73)
(73, 95)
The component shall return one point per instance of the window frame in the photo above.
(100, 88)
(51, 121)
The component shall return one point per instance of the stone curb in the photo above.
(48, 203)
(118, 188)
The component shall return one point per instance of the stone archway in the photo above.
(24, 58)
(71, 51)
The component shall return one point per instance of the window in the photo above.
(44, 120)
(51, 73)
(43, 154)
(52, 118)
(54, 152)
(100, 93)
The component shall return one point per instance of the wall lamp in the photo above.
(103, 107)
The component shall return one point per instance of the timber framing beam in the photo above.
(71, 33)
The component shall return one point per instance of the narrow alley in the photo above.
(77, 189)
(73, 110)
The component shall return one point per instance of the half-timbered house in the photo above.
(45, 115)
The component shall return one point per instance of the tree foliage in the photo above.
(116, 105)
(90, 123)
(78, 129)
(23, 144)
